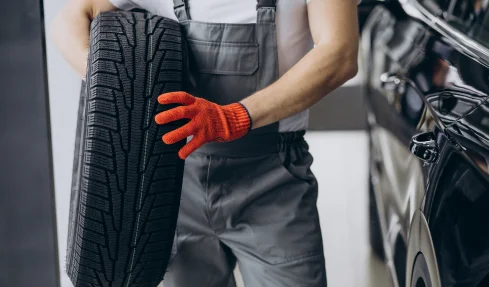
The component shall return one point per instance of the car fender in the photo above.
(420, 241)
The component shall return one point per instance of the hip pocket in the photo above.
(296, 161)
(284, 219)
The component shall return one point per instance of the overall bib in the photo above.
(251, 201)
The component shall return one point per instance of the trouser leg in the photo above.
(200, 259)
(268, 216)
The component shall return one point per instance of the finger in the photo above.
(190, 147)
(176, 98)
(178, 113)
(180, 133)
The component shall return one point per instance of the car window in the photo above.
(469, 16)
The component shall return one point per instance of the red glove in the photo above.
(209, 122)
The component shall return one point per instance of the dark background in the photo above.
(28, 248)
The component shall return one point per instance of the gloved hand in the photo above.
(209, 122)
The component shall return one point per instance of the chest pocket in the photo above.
(223, 72)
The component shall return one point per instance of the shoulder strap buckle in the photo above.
(266, 4)
(179, 3)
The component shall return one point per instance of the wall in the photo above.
(27, 221)
(64, 90)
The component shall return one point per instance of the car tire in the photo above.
(420, 276)
(375, 232)
(126, 182)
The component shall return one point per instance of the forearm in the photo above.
(70, 33)
(70, 30)
(321, 71)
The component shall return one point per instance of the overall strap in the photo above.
(266, 10)
(181, 10)
(266, 4)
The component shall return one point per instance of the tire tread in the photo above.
(124, 198)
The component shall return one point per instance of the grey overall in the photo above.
(251, 201)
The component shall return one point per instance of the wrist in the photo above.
(238, 119)
(250, 127)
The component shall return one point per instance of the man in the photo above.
(248, 195)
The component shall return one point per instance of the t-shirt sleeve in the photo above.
(124, 4)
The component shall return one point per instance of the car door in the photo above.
(456, 202)
(413, 86)
(391, 44)
(365, 7)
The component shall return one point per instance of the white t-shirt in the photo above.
(294, 38)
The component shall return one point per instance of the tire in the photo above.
(126, 181)
(375, 232)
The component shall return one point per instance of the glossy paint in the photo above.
(427, 72)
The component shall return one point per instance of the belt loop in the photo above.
(266, 4)
(180, 7)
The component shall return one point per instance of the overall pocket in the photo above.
(223, 72)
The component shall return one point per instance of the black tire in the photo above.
(126, 182)
(375, 232)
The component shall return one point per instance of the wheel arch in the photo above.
(420, 242)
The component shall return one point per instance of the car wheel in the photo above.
(421, 275)
(375, 232)
(126, 182)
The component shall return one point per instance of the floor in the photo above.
(341, 168)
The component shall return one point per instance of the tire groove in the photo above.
(105, 86)
(141, 179)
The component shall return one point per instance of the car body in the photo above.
(426, 91)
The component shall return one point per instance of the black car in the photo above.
(426, 92)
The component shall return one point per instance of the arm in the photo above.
(71, 30)
(331, 63)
